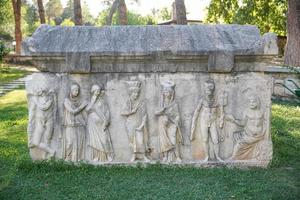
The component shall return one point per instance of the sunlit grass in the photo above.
(20, 178)
(8, 74)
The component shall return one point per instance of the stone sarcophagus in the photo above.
(194, 95)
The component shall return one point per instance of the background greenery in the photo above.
(8, 74)
(20, 178)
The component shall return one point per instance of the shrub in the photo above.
(3, 51)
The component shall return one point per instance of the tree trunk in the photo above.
(180, 12)
(18, 33)
(292, 51)
(112, 10)
(41, 11)
(123, 13)
(77, 13)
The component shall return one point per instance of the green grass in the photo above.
(20, 178)
(8, 74)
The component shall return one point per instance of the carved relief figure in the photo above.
(74, 122)
(97, 126)
(169, 135)
(209, 114)
(41, 120)
(136, 117)
(254, 129)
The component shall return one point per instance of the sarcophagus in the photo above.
(194, 95)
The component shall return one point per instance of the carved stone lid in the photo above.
(200, 39)
(219, 42)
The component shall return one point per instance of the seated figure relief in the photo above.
(169, 133)
(136, 118)
(98, 122)
(209, 116)
(73, 140)
(254, 129)
(41, 120)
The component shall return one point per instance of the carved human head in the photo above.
(209, 87)
(134, 89)
(254, 101)
(97, 90)
(75, 89)
(168, 89)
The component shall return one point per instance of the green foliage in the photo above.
(54, 10)
(165, 14)
(133, 19)
(8, 74)
(68, 11)
(3, 52)
(20, 178)
(87, 17)
(30, 19)
(6, 13)
(268, 15)
(67, 22)
(6, 18)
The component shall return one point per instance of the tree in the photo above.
(77, 13)
(68, 11)
(6, 19)
(112, 11)
(41, 11)
(133, 19)
(165, 14)
(268, 15)
(87, 17)
(17, 15)
(123, 13)
(30, 18)
(292, 52)
(54, 10)
(119, 5)
(180, 12)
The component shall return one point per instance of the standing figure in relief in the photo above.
(209, 113)
(97, 126)
(136, 117)
(74, 122)
(254, 129)
(169, 135)
(41, 121)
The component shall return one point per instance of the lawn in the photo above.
(22, 179)
(8, 74)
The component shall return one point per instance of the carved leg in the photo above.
(216, 152)
(215, 140)
(48, 132)
(165, 157)
(145, 158)
(205, 147)
(133, 158)
(177, 154)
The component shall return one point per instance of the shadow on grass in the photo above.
(23, 179)
(56, 180)
(285, 129)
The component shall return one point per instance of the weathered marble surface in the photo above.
(151, 80)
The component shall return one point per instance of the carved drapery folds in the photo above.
(135, 112)
(184, 95)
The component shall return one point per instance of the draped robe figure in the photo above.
(74, 123)
(254, 129)
(169, 135)
(41, 121)
(136, 116)
(97, 126)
